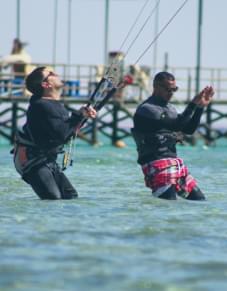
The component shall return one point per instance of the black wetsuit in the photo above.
(156, 131)
(49, 127)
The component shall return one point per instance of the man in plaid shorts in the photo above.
(157, 128)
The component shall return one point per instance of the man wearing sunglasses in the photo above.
(156, 131)
(48, 127)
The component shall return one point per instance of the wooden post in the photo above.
(115, 122)
(14, 121)
(199, 44)
(94, 135)
(208, 123)
(166, 61)
(189, 90)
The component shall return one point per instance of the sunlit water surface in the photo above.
(116, 236)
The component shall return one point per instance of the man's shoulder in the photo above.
(38, 105)
(45, 104)
(147, 107)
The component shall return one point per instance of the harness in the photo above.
(27, 155)
(154, 144)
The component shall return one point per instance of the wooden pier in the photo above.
(115, 119)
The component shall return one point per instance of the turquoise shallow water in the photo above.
(116, 236)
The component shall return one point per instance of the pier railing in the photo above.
(80, 80)
(115, 119)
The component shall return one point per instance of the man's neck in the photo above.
(159, 100)
(52, 95)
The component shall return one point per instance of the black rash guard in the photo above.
(48, 127)
(49, 124)
(156, 123)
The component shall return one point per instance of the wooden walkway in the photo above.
(114, 121)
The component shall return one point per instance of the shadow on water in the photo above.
(116, 236)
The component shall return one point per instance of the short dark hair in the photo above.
(34, 80)
(163, 76)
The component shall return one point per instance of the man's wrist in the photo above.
(192, 105)
(200, 106)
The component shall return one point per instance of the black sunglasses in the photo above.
(170, 90)
(50, 74)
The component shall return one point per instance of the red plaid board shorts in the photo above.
(162, 173)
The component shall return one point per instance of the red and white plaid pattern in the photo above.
(171, 171)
